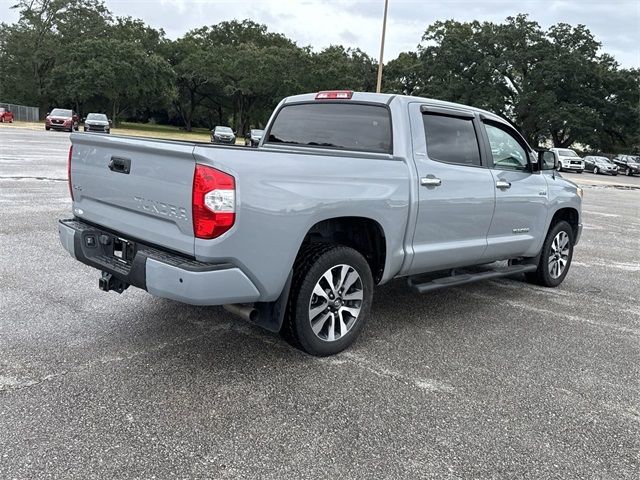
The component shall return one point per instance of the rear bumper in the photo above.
(160, 272)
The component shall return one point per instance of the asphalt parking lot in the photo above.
(493, 380)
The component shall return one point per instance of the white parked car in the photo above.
(568, 160)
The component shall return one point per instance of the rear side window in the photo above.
(346, 126)
(451, 139)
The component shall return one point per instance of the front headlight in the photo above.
(580, 192)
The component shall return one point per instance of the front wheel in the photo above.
(330, 299)
(555, 256)
(579, 171)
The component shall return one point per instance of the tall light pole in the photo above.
(384, 29)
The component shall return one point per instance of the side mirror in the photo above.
(547, 160)
(84, 119)
(111, 123)
(48, 113)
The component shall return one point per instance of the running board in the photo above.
(463, 278)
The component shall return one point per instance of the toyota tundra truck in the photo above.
(346, 191)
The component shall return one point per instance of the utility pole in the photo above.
(384, 29)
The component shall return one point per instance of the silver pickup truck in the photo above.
(346, 191)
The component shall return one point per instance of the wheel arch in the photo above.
(569, 215)
(363, 234)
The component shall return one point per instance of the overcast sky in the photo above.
(354, 23)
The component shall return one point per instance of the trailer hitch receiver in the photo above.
(108, 282)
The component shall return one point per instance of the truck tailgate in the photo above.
(140, 188)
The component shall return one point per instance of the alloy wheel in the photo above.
(336, 303)
(559, 255)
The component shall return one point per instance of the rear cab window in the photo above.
(451, 139)
(335, 125)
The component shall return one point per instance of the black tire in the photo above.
(595, 170)
(629, 172)
(579, 171)
(47, 128)
(313, 261)
(542, 275)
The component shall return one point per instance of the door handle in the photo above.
(503, 184)
(430, 182)
(120, 165)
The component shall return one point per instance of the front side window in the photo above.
(451, 139)
(345, 126)
(507, 152)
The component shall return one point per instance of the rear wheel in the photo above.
(555, 256)
(330, 299)
(629, 172)
(596, 170)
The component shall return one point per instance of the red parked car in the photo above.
(5, 115)
(62, 119)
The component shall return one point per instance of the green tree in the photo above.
(118, 71)
(32, 47)
(552, 85)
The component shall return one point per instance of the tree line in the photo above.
(554, 85)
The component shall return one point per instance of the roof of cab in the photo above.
(387, 98)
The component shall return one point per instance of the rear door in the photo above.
(522, 199)
(139, 188)
(456, 192)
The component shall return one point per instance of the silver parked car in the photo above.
(223, 135)
(252, 139)
(602, 165)
(97, 122)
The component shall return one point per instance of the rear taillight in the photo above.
(214, 202)
(69, 171)
(334, 95)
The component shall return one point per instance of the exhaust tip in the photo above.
(245, 312)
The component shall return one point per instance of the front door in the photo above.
(456, 189)
(519, 220)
